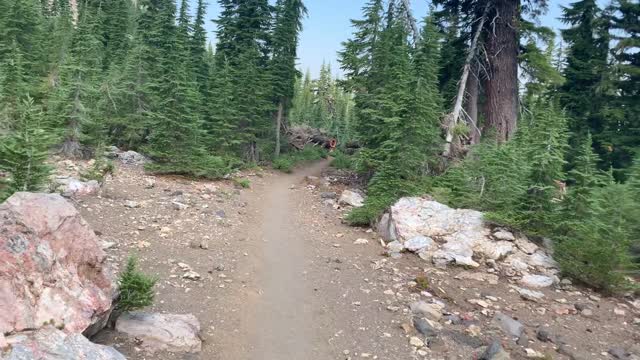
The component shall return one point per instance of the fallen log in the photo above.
(301, 135)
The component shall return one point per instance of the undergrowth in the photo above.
(287, 162)
(136, 288)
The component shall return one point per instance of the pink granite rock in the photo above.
(52, 267)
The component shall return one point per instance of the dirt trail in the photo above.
(283, 279)
(280, 329)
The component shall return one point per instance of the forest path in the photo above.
(282, 278)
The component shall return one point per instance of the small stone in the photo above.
(415, 341)
(532, 354)
(361, 242)
(619, 312)
(586, 312)
(523, 340)
(474, 330)
(395, 247)
(494, 352)
(544, 335)
(530, 295)
(504, 235)
(328, 195)
(510, 326)
(431, 311)
(536, 281)
(479, 302)
(204, 244)
(149, 183)
(191, 275)
(618, 353)
(179, 206)
(131, 204)
(424, 327)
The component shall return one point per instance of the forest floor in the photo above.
(281, 277)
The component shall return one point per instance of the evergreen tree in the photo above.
(24, 151)
(288, 25)
(13, 86)
(583, 93)
(199, 52)
(74, 104)
(356, 57)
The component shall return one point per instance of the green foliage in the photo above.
(24, 151)
(342, 161)
(136, 288)
(243, 183)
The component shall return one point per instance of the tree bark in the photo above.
(471, 105)
(502, 85)
(279, 126)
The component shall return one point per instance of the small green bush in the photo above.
(136, 288)
(342, 161)
(284, 164)
(243, 183)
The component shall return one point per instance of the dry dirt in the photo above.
(281, 278)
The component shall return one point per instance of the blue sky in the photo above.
(327, 25)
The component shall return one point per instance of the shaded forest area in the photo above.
(478, 105)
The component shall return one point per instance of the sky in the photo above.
(327, 26)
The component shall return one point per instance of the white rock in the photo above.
(162, 332)
(540, 259)
(415, 341)
(149, 183)
(526, 246)
(132, 158)
(131, 204)
(478, 276)
(536, 281)
(191, 275)
(419, 243)
(179, 206)
(50, 343)
(351, 198)
(527, 294)
(494, 250)
(395, 247)
(505, 235)
(361, 242)
(422, 308)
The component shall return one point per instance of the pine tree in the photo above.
(356, 57)
(288, 25)
(24, 151)
(583, 92)
(199, 52)
(116, 21)
(13, 86)
(76, 98)
(23, 25)
(622, 131)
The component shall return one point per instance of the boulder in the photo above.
(536, 281)
(419, 243)
(132, 158)
(72, 187)
(49, 343)
(52, 267)
(510, 326)
(459, 236)
(351, 198)
(162, 332)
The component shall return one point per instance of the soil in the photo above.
(281, 278)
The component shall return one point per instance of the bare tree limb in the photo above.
(406, 4)
(452, 118)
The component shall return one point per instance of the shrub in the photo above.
(287, 162)
(342, 161)
(243, 183)
(136, 288)
(284, 164)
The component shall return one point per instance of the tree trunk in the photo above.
(471, 105)
(279, 126)
(502, 85)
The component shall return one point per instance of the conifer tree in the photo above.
(24, 151)
(356, 57)
(76, 98)
(199, 51)
(288, 25)
(583, 92)
(13, 86)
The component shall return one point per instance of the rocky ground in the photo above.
(271, 272)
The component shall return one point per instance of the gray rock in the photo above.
(530, 295)
(565, 350)
(618, 353)
(505, 235)
(71, 187)
(418, 243)
(179, 206)
(453, 319)
(544, 335)
(495, 351)
(395, 247)
(132, 158)
(510, 326)
(221, 214)
(50, 343)
(523, 340)
(351, 198)
(328, 195)
(162, 332)
(424, 327)
(430, 311)
(536, 281)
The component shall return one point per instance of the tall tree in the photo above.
(288, 25)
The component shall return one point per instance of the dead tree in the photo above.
(451, 119)
(406, 4)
